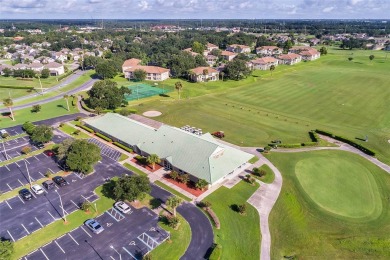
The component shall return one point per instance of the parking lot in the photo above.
(128, 236)
(106, 150)
(15, 175)
(12, 148)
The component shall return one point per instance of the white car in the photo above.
(122, 207)
(37, 189)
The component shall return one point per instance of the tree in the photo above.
(45, 73)
(107, 95)
(153, 159)
(174, 175)
(139, 74)
(105, 70)
(222, 74)
(242, 209)
(350, 58)
(85, 206)
(42, 134)
(98, 110)
(198, 47)
(36, 108)
(178, 87)
(28, 127)
(82, 155)
(201, 184)
(371, 57)
(185, 178)
(7, 102)
(287, 45)
(7, 72)
(6, 249)
(174, 202)
(323, 50)
(62, 150)
(237, 69)
(272, 68)
(131, 187)
(67, 101)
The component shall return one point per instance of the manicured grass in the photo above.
(46, 83)
(70, 131)
(301, 228)
(48, 110)
(134, 169)
(166, 187)
(330, 93)
(123, 157)
(269, 177)
(239, 235)
(178, 243)
(253, 159)
(14, 93)
(58, 228)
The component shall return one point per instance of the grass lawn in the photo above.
(49, 110)
(174, 192)
(333, 205)
(330, 93)
(70, 131)
(123, 157)
(176, 247)
(134, 169)
(239, 235)
(14, 93)
(269, 177)
(46, 83)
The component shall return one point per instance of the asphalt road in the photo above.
(59, 96)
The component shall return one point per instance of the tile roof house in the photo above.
(37, 67)
(210, 47)
(269, 50)
(153, 73)
(203, 157)
(289, 59)
(211, 59)
(307, 53)
(204, 74)
(238, 48)
(264, 63)
(228, 55)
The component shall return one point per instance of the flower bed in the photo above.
(189, 187)
(146, 166)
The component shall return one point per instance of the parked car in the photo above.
(122, 207)
(25, 194)
(37, 189)
(219, 134)
(59, 181)
(49, 153)
(48, 184)
(94, 226)
(39, 145)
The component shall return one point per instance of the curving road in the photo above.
(67, 81)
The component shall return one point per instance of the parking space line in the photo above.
(124, 248)
(44, 254)
(51, 216)
(112, 258)
(17, 164)
(9, 187)
(45, 155)
(33, 194)
(38, 221)
(21, 199)
(59, 246)
(74, 203)
(25, 229)
(27, 161)
(85, 231)
(21, 182)
(11, 236)
(112, 216)
(7, 167)
(36, 157)
(73, 239)
(51, 170)
(42, 174)
(85, 198)
(8, 204)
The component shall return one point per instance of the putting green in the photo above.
(340, 186)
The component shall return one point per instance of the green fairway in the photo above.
(303, 229)
(239, 235)
(340, 186)
(14, 93)
(332, 93)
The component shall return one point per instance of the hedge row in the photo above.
(66, 74)
(86, 108)
(86, 128)
(123, 147)
(16, 87)
(348, 141)
(104, 137)
(298, 145)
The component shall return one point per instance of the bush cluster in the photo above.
(86, 128)
(123, 147)
(348, 141)
(104, 137)
(16, 87)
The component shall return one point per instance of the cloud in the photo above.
(328, 9)
(143, 5)
(27, 4)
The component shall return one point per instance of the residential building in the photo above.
(37, 67)
(4, 66)
(264, 63)
(55, 68)
(228, 55)
(202, 157)
(289, 59)
(238, 48)
(310, 54)
(210, 47)
(59, 56)
(204, 74)
(211, 60)
(269, 50)
(153, 73)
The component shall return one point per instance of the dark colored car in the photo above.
(25, 194)
(39, 145)
(49, 153)
(49, 185)
(60, 181)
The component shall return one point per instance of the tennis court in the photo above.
(143, 90)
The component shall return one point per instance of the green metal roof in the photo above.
(201, 156)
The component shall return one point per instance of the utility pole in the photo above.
(62, 206)
(28, 173)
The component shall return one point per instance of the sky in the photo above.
(194, 9)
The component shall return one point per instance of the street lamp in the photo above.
(120, 256)
(28, 173)
(95, 207)
(62, 206)
(5, 151)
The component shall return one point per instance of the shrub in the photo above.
(48, 174)
(214, 217)
(26, 150)
(86, 205)
(309, 144)
(174, 175)
(267, 148)
(201, 184)
(289, 145)
(36, 108)
(173, 221)
(16, 87)
(104, 137)
(28, 127)
(184, 178)
(262, 172)
(123, 147)
(61, 124)
(5, 135)
(77, 132)
(127, 111)
(242, 209)
(314, 136)
(86, 128)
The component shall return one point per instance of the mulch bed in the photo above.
(147, 167)
(189, 187)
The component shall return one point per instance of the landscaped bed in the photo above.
(189, 186)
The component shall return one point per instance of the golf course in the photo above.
(348, 98)
(333, 205)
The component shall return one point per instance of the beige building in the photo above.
(238, 48)
(153, 73)
(264, 63)
(289, 59)
(269, 50)
(204, 74)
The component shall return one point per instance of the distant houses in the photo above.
(269, 50)
(55, 68)
(289, 59)
(204, 74)
(153, 73)
(264, 63)
(238, 48)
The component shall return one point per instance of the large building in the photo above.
(153, 73)
(203, 157)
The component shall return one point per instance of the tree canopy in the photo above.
(131, 187)
(106, 95)
(237, 69)
(42, 134)
(81, 156)
(106, 70)
(139, 74)
(6, 249)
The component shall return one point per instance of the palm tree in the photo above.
(272, 68)
(222, 74)
(153, 159)
(174, 202)
(9, 103)
(178, 87)
(67, 102)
